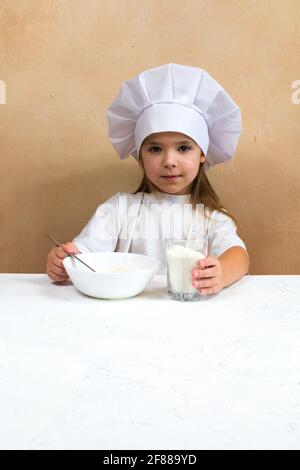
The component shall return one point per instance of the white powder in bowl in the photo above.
(119, 269)
(181, 261)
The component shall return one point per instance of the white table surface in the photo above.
(149, 372)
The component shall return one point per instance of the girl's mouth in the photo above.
(171, 178)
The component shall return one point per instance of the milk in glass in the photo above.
(181, 259)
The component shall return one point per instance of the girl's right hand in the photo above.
(55, 268)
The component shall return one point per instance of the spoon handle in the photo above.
(70, 254)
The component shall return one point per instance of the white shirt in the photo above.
(123, 224)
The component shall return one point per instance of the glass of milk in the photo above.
(181, 258)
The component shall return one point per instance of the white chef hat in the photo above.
(176, 98)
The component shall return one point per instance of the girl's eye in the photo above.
(154, 149)
(185, 148)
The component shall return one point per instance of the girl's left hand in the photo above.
(208, 277)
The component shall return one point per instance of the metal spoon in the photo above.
(70, 254)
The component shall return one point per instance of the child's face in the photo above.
(171, 153)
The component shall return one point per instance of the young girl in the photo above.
(177, 121)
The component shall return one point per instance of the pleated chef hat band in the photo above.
(175, 98)
(163, 117)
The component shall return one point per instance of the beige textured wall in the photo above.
(63, 61)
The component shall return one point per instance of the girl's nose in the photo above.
(169, 159)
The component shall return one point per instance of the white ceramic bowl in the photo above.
(119, 275)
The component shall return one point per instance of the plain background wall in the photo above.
(63, 63)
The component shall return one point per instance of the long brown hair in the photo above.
(201, 191)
